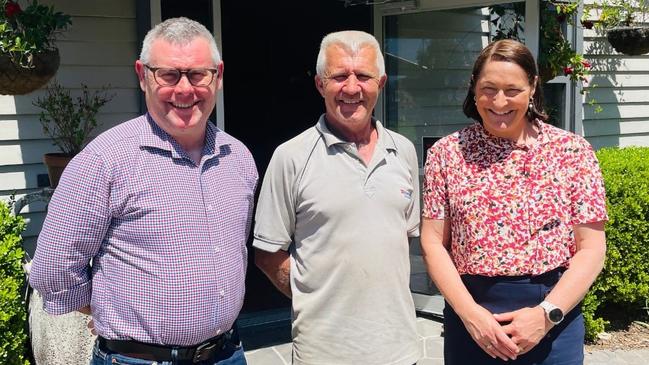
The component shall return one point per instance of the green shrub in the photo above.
(624, 282)
(12, 282)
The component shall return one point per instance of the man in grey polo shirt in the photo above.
(337, 206)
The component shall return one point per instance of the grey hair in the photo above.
(178, 31)
(352, 41)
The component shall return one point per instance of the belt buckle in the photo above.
(203, 351)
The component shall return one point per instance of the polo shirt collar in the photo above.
(154, 136)
(330, 139)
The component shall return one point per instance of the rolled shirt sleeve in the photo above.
(77, 220)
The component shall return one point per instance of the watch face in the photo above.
(555, 315)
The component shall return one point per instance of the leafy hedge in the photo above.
(12, 281)
(624, 282)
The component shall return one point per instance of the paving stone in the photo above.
(422, 345)
(617, 357)
(428, 328)
(265, 356)
(434, 348)
(430, 362)
(285, 351)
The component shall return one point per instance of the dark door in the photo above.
(270, 50)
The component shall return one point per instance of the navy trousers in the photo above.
(563, 345)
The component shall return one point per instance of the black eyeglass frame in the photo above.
(213, 71)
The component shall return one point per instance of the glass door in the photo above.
(429, 55)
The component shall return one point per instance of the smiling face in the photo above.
(503, 93)
(350, 86)
(181, 110)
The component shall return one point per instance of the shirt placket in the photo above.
(210, 212)
(362, 171)
(530, 200)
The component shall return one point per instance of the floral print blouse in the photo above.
(512, 207)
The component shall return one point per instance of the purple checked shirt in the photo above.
(166, 236)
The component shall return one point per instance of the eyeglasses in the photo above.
(171, 76)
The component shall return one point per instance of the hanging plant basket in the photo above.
(632, 41)
(18, 80)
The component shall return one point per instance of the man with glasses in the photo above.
(162, 206)
(336, 208)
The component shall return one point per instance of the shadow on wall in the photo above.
(604, 96)
(23, 143)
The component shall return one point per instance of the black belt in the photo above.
(146, 351)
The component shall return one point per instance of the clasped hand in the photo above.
(507, 335)
(526, 327)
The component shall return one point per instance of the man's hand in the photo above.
(526, 327)
(91, 327)
(489, 334)
(87, 311)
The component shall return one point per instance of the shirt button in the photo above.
(218, 331)
(210, 207)
(222, 293)
(217, 249)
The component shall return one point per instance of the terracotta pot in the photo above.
(18, 80)
(56, 163)
(632, 41)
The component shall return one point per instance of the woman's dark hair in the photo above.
(506, 50)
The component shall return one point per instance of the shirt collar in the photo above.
(330, 139)
(545, 134)
(154, 136)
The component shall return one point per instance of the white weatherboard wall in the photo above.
(99, 49)
(620, 85)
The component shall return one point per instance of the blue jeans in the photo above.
(232, 354)
(563, 345)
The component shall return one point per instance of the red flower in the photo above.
(586, 64)
(11, 9)
(567, 70)
(588, 24)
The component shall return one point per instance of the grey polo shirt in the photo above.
(346, 226)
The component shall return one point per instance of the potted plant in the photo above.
(28, 57)
(69, 122)
(624, 30)
(556, 56)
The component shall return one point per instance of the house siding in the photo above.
(98, 50)
(620, 86)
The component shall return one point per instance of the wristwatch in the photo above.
(553, 313)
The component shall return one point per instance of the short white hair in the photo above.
(178, 31)
(352, 41)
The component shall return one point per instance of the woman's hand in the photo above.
(489, 334)
(526, 327)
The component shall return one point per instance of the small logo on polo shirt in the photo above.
(407, 193)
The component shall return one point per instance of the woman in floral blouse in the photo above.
(513, 222)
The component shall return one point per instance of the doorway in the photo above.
(270, 50)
